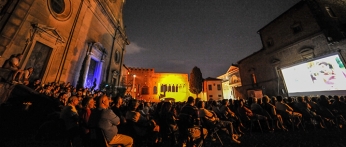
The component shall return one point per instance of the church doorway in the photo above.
(38, 60)
(93, 76)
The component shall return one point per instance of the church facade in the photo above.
(77, 41)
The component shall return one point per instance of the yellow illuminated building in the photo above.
(145, 84)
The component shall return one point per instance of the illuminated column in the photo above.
(86, 67)
(97, 76)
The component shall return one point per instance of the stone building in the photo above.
(309, 30)
(77, 41)
(212, 88)
(230, 81)
(146, 84)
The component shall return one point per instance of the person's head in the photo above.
(265, 99)
(88, 103)
(63, 96)
(300, 99)
(102, 101)
(336, 98)
(118, 101)
(225, 102)
(166, 107)
(314, 99)
(133, 104)
(79, 93)
(323, 98)
(307, 99)
(213, 103)
(73, 101)
(273, 99)
(200, 104)
(289, 99)
(141, 106)
(68, 89)
(190, 100)
(279, 98)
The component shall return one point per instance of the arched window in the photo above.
(163, 88)
(169, 88)
(173, 88)
(176, 88)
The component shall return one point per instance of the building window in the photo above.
(169, 88)
(218, 87)
(155, 90)
(145, 90)
(163, 88)
(219, 96)
(176, 88)
(60, 9)
(296, 28)
(173, 88)
(253, 77)
(117, 57)
(58, 6)
(209, 87)
(210, 96)
(330, 12)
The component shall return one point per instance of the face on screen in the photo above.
(324, 74)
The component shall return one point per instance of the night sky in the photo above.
(176, 35)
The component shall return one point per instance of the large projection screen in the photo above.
(322, 76)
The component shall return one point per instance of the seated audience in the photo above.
(212, 118)
(189, 122)
(287, 112)
(231, 116)
(104, 118)
(70, 116)
(271, 109)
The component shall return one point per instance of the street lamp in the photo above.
(133, 86)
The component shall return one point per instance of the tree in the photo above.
(195, 81)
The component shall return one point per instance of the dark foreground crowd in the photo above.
(88, 114)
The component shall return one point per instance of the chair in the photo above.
(290, 118)
(269, 117)
(252, 121)
(167, 132)
(212, 129)
(135, 131)
(98, 139)
(185, 122)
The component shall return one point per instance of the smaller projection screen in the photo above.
(323, 76)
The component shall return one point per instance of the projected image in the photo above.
(324, 74)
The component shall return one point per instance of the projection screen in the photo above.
(325, 75)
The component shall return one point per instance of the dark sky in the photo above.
(176, 35)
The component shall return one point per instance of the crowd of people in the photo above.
(132, 122)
